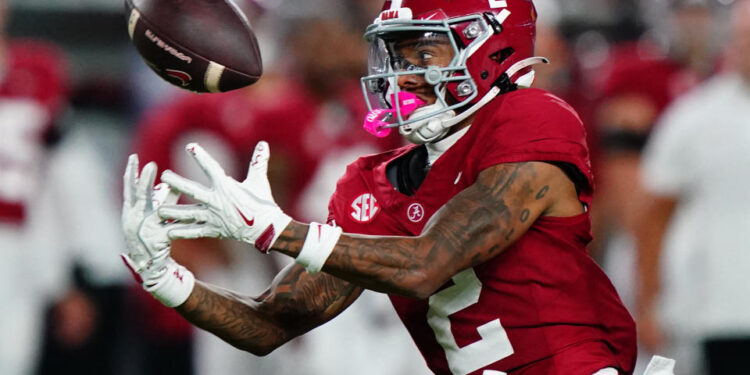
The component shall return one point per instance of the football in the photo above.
(197, 45)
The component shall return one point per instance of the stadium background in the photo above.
(70, 307)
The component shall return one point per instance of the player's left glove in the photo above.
(243, 211)
(146, 236)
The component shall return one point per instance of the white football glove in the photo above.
(146, 236)
(228, 209)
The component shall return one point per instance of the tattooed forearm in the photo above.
(232, 318)
(542, 192)
(525, 215)
(292, 238)
(474, 226)
(316, 297)
(295, 303)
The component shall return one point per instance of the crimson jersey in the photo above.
(542, 306)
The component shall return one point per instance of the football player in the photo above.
(477, 230)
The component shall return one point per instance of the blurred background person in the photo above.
(687, 31)
(57, 221)
(634, 94)
(33, 97)
(562, 76)
(693, 259)
(620, 68)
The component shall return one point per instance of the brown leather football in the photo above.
(197, 45)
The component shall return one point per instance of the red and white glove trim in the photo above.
(319, 243)
(268, 237)
(169, 282)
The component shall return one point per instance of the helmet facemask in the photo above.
(405, 47)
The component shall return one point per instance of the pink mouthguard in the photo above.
(377, 119)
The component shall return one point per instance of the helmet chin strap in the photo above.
(435, 128)
(522, 64)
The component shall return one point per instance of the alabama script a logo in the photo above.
(415, 212)
(364, 208)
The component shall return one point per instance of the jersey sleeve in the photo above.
(350, 184)
(336, 209)
(536, 126)
(331, 220)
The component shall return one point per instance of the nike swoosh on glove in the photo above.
(243, 211)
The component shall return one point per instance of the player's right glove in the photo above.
(244, 211)
(146, 237)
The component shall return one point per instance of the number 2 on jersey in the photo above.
(494, 344)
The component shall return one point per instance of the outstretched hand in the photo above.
(145, 236)
(243, 211)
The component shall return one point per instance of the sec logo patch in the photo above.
(364, 208)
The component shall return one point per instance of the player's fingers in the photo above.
(210, 166)
(259, 162)
(163, 194)
(172, 197)
(145, 186)
(187, 187)
(185, 212)
(159, 194)
(129, 180)
(192, 231)
(160, 254)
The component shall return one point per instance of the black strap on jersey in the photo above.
(407, 173)
(574, 174)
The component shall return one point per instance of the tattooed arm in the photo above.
(474, 226)
(295, 303)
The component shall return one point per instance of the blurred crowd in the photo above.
(662, 86)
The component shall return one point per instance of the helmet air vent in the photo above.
(502, 55)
